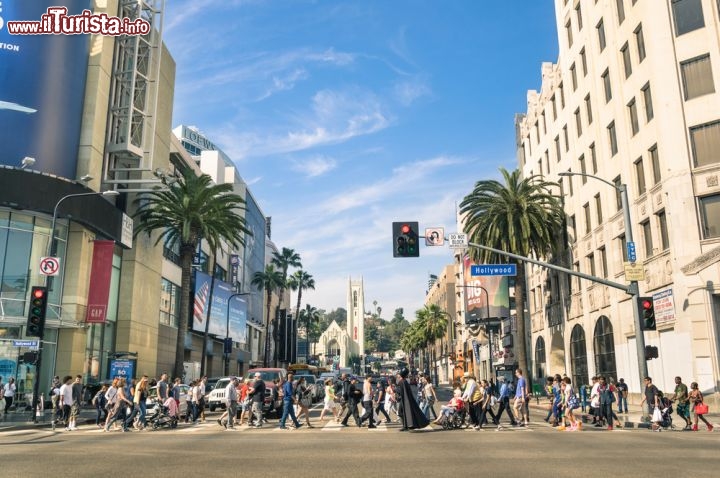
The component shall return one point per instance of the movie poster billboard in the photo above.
(236, 327)
(42, 86)
(254, 260)
(485, 296)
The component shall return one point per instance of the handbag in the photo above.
(657, 415)
(701, 409)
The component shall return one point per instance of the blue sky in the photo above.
(343, 116)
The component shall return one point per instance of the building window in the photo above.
(562, 96)
(598, 208)
(655, 163)
(537, 132)
(578, 16)
(612, 138)
(640, 174)
(601, 34)
(169, 303)
(588, 109)
(578, 355)
(705, 141)
(529, 145)
(583, 61)
(688, 16)
(603, 262)
(697, 77)
(620, 11)
(570, 183)
(640, 42)
(593, 158)
(647, 98)
(578, 122)
(586, 213)
(662, 224)
(607, 85)
(540, 166)
(623, 247)
(568, 30)
(573, 228)
(647, 237)
(582, 168)
(573, 75)
(627, 63)
(710, 215)
(554, 108)
(565, 135)
(618, 195)
(557, 148)
(605, 349)
(540, 357)
(634, 123)
(544, 124)
(591, 264)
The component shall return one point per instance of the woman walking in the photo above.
(329, 404)
(303, 394)
(121, 404)
(696, 398)
(571, 403)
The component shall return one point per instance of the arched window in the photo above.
(604, 345)
(540, 358)
(578, 357)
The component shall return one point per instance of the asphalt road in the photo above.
(209, 450)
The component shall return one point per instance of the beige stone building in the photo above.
(632, 99)
(442, 292)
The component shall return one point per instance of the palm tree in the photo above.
(309, 315)
(522, 217)
(269, 281)
(283, 261)
(300, 281)
(191, 210)
(412, 341)
(433, 326)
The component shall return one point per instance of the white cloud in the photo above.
(407, 92)
(315, 166)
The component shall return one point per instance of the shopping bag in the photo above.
(701, 409)
(657, 415)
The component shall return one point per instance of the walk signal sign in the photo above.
(647, 313)
(36, 315)
(405, 239)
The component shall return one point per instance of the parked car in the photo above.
(183, 408)
(216, 398)
(273, 402)
(334, 376)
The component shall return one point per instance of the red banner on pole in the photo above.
(99, 291)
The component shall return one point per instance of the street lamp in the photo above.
(227, 329)
(50, 247)
(633, 289)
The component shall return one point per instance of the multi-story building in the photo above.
(441, 292)
(631, 101)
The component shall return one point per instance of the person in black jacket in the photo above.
(354, 397)
(410, 414)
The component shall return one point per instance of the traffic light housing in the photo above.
(405, 239)
(227, 345)
(36, 315)
(651, 352)
(646, 306)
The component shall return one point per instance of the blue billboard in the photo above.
(254, 260)
(42, 85)
(227, 318)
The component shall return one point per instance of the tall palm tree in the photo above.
(309, 315)
(300, 281)
(412, 340)
(283, 261)
(521, 216)
(434, 322)
(269, 280)
(191, 210)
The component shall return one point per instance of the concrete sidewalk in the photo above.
(23, 419)
(632, 419)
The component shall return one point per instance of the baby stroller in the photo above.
(666, 411)
(163, 415)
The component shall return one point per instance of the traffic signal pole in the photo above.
(631, 290)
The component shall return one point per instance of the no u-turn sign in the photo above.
(49, 266)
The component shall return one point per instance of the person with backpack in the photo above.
(99, 402)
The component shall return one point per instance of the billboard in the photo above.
(254, 260)
(42, 85)
(485, 296)
(226, 317)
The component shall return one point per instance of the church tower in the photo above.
(356, 316)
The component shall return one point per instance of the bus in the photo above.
(303, 369)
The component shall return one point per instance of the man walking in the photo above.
(162, 388)
(288, 394)
(683, 402)
(380, 400)
(66, 400)
(355, 395)
(622, 393)
(650, 396)
(231, 397)
(367, 401)
(258, 398)
(521, 399)
(504, 400)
